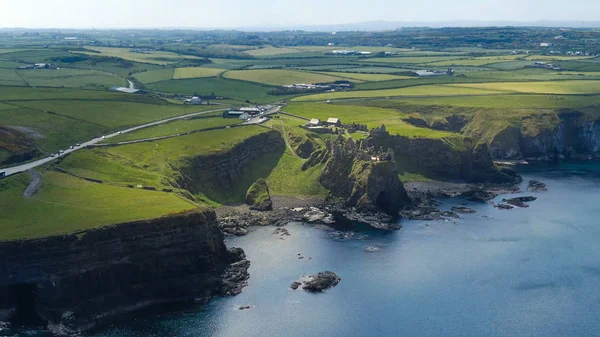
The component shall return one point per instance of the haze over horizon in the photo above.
(281, 14)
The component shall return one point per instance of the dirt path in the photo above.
(36, 181)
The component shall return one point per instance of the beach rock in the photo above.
(481, 196)
(237, 231)
(317, 282)
(462, 209)
(536, 186)
(315, 215)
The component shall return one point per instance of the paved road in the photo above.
(29, 166)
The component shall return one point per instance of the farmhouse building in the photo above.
(334, 122)
(233, 114)
(315, 122)
(194, 100)
(251, 111)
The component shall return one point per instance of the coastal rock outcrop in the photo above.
(73, 283)
(258, 196)
(536, 186)
(548, 136)
(366, 181)
(459, 159)
(318, 282)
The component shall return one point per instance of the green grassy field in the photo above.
(421, 90)
(113, 114)
(65, 204)
(412, 59)
(271, 51)
(99, 164)
(554, 87)
(156, 155)
(372, 117)
(366, 77)
(279, 77)
(74, 78)
(11, 77)
(182, 73)
(154, 57)
(154, 76)
(556, 57)
(237, 90)
(175, 127)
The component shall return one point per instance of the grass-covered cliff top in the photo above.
(66, 204)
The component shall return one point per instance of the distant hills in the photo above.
(371, 26)
(392, 25)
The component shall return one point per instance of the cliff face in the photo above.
(74, 282)
(441, 159)
(363, 183)
(218, 173)
(567, 134)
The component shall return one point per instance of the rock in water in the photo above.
(464, 210)
(258, 196)
(504, 206)
(519, 201)
(479, 196)
(536, 186)
(318, 282)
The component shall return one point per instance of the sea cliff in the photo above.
(73, 283)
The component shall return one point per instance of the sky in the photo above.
(273, 13)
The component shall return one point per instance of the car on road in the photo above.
(52, 155)
(119, 132)
(2, 174)
(103, 137)
(77, 144)
(71, 147)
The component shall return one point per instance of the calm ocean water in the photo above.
(524, 272)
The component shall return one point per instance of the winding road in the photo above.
(24, 167)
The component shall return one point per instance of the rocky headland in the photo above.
(74, 283)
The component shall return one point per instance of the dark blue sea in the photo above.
(523, 272)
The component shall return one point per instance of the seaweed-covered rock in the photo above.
(258, 196)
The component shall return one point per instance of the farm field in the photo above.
(154, 76)
(279, 77)
(517, 101)
(196, 72)
(372, 117)
(367, 77)
(154, 57)
(549, 87)
(73, 205)
(237, 90)
(421, 90)
(556, 57)
(74, 78)
(413, 59)
(112, 114)
(175, 127)
(271, 51)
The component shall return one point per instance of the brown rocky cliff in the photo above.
(368, 185)
(221, 172)
(75, 282)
